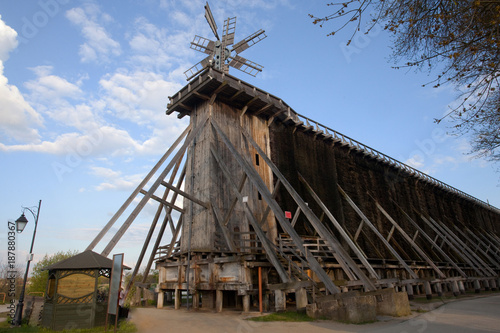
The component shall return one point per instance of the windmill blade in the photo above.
(249, 41)
(228, 31)
(198, 68)
(203, 44)
(211, 21)
(245, 65)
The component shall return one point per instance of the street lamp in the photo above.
(20, 224)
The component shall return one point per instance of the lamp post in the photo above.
(20, 224)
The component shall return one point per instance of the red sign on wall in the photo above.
(288, 215)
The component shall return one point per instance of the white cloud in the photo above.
(115, 180)
(17, 117)
(8, 40)
(98, 46)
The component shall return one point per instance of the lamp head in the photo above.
(21, 223)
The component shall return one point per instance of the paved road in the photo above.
(472, 315)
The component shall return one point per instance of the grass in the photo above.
(123, 327)
(284, 316)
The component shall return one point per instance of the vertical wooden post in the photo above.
(177, 295)
(260, 289)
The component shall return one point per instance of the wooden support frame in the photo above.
(422, 233)
(410, 240)
(342, 256)
(354, 247)
(379, 235)
(194, 133)
(254, 177)
(131, 198)
(461, 246)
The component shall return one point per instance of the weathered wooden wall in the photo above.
(364, 179)
(210, 183)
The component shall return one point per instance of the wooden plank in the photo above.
(478, 242)
(379, 235)
(141, 185)
(278, 212)
(186, 195)
(164, 202)
(225, 231)
(341, 230)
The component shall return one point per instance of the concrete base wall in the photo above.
(391, 303)
(348, 307)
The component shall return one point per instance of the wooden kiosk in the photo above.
(73, 298)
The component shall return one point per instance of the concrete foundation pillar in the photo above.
(279, 300)
(409, 291)
(428, 290)
(477, 286)
(218, 300)
(246, 303)
(493, 285)
(159, 304)
(301, 298)
(196, 300)
(439, 289)
(461, 287)
(486, 285)
(454, 288)
(177, 296)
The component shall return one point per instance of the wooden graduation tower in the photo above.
(274, 203)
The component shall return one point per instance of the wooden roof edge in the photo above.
(177, 101)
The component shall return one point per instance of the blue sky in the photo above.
(84, 87)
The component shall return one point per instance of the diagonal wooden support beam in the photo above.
(163, 202)
(341, 230)
(226, 233)
(134, 194)
(478, 245)
(262, 237)
(450, 242)
(278, 212)
(112, 243)
(186, 195)
(432, 242)
(465, 249)
(342, 256)
(411, 241)
(379, 235)
(150, 233)
(166, 219)
(235, 200)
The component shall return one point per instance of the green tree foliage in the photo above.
(458, 38)
(38, 279)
